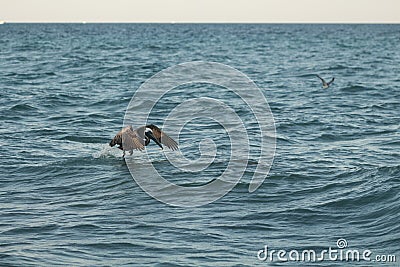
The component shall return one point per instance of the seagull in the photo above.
(139, 138)
(324, 83)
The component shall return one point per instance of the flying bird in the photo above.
(324, 83)
(129, 139)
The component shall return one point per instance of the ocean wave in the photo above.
(84, 139)
(23, 107)
(355, 88)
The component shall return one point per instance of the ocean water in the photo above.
(68, 199)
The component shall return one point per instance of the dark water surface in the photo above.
(68, 199)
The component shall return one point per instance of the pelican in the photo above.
(325, 84)
(139, 138)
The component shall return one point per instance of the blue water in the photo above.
(68, 199)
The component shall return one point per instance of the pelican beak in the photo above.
(151, 136)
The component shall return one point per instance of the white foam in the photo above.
(107, 152)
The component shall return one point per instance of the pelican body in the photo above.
(129, 139)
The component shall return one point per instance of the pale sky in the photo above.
(365, 11)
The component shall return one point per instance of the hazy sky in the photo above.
(200, 10)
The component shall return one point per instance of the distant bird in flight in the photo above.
(128, 139)
(324, 83)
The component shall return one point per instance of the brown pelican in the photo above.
(324, 83)
(139, 138)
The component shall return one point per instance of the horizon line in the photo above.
(200, 22)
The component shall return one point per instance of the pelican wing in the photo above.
(117, 140)
(131, 140)
(128, 139)
(322, 80)
(163, 138)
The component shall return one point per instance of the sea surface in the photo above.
(68, 199)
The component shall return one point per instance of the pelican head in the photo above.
(149, 135)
